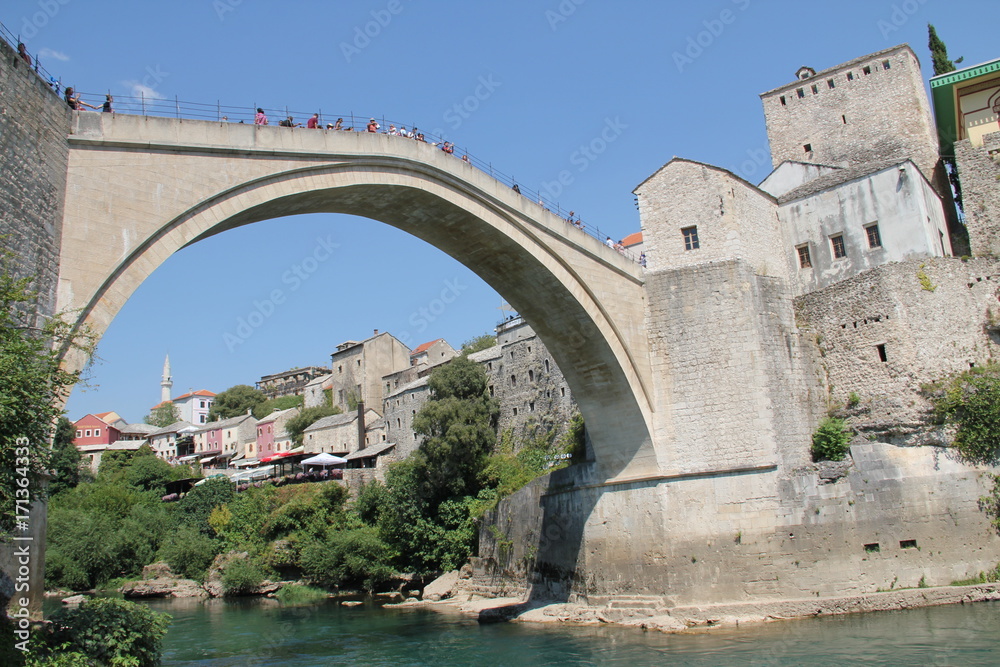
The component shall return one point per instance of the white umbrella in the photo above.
(324, 459)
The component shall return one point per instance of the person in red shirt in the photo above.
(313, 123)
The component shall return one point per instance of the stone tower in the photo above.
(166, 383)
(867, 110)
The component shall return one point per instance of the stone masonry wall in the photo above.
(900, 517)
(872, 117)
(979, 172)
(34, 154)
(734, 219)
(732, 386)
(532, 392)
(929, 316)
(34, 124)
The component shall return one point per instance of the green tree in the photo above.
(939, 53)
(189, 552)
(66, 461)
(309, 416)
(148, 473)
(459, 424)
(197, 505)
(113, 462)
(348, 557)
(274, 404)
(478, 344)
(235, 401)
(32, 384)
(163, 415)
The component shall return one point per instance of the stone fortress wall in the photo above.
(898, 326)
(979, 171)
(34, 123)
(34, 155)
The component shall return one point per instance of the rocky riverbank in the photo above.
(645, 613)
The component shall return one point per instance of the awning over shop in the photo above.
(246, 463)
(370, 451)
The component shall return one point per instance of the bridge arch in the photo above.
(161, 184)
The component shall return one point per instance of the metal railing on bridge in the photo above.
(176, 108)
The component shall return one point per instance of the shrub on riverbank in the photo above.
(355, 557)
(106, 631)
(241, 576)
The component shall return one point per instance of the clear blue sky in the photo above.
(558, 71)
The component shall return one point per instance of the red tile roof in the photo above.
(632, 239)
(423, 348)
(200, 392)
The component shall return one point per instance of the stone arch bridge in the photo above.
(141, 188)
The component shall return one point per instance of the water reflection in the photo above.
(261, 632)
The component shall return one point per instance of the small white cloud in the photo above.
(142, 90)
(56, 55)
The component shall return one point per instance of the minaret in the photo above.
(166, 384)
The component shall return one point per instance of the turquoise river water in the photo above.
(255, 633)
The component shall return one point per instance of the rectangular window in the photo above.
(97, 433)
(783, 101)
(805, 261)
(874, 238)
(808, 147)
(867, 70)
(880, 348)
(79, 433)
(88, 433)
(885, 64)
(850, 76)
(830, 84)
(690, 238)
(801, 93)
(839, 250)
(815, 89)
(907, 544)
